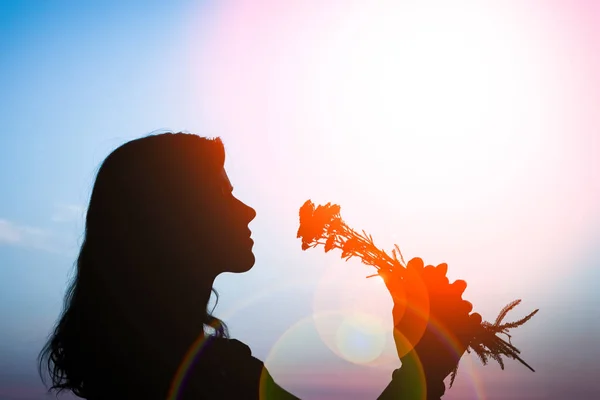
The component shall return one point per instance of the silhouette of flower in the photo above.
(323, 225)
(318, 223)
(310, 229)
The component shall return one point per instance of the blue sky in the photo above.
(78, 79)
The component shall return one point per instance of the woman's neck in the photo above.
(180, 327)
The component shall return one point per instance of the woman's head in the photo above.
(161, 224)
(168, 196)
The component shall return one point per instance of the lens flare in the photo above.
(358, 327)
(302, 364)
(194, 351)
(360, 338)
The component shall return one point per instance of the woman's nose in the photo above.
(248, 212)
(251, 212)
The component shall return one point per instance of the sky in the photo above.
(466, 132)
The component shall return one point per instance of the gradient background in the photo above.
(467, 132)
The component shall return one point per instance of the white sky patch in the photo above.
(13, 234)
(9, 233)
(68, 213)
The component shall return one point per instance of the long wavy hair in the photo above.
(150, 199)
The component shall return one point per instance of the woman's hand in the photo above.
(432, 324)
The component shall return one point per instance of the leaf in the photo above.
(505, 311)
(510, 325)
(365, 235)
(399, 252)
(498, 359)
(481, 352)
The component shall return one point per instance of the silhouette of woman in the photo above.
(162, 223)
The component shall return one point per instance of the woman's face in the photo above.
(232, 241)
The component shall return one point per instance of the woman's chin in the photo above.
(243, 263)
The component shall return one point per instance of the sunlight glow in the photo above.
(436, 126)
(435, 98)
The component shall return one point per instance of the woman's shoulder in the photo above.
(226, 368)
(231, 358)
(230, 345)
(227, 349)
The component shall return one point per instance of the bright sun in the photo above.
(443, 93)
(446, 98)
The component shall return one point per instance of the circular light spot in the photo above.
(360, 338)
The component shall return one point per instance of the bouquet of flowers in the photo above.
(323, 225)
